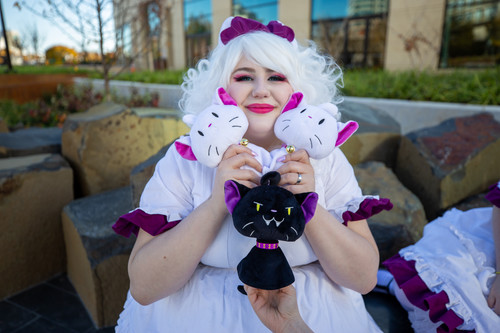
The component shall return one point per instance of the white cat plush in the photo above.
(313, 128)
(213, 130)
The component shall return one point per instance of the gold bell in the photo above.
(244, 142)
(290, 149)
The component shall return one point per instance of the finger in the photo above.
(239, 160)
(299, 156)
(234, 150)
(294, 178)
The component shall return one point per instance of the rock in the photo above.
(399, 227)
(475, 201)
(447, 163)
(104, 143)
(30, 141)
(141, 174)
(96, 256)
(3, 126)
(33, 191)
(377, 138)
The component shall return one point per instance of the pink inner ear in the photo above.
(225, 98)
(346, 132)
(185, 151)
(294, 101)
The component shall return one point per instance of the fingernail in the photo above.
(253, 153)
(281, 159)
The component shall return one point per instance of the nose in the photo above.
(260, 89)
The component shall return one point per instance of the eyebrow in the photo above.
(251, 70)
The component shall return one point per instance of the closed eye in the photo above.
(201, 133)
(215, 114)
(303, 110)
(258, 205)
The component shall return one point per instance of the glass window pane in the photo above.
(260, 10)
(471, 34)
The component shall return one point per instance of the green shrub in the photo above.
(456, 86)
(53, 109)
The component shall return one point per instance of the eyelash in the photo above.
(274, 78)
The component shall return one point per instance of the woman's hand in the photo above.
(297, 173)
(494, 296)
(229, 168)
(277, 309)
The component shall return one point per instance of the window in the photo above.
(471, 34)
(198, 27)
(352, 31)
(259, 10)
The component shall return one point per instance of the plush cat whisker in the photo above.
(246, 225)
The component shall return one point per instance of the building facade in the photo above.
(390, 34)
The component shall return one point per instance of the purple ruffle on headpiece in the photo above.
(240, 26)
(494, 195)
(421, 296)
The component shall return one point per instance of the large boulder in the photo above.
(447, 163)
(30, 141)
(377, 138)
(399, 227)
(96, 256)
(106, 142)
(3, 126)
(33, 191)
(141, 174)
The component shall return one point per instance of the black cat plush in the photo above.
(268, 213)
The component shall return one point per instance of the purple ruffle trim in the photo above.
(421, 296)
(367, 208)
(240, 26)
(153, 224)
(494, 195)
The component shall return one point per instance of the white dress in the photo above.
(444, 279)
(210, 301)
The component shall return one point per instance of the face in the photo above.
(261, 93)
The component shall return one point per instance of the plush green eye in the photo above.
(258, 205)
(289, 210)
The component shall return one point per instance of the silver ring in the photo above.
(299, 178)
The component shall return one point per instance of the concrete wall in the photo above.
(411, 115)
(296, 14)
(414, 33)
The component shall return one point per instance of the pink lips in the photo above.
(260, 108)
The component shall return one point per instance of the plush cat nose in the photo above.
(273, 210)
(310, 117)
(209, 124)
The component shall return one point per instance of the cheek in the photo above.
(284, 95)
(237, 92)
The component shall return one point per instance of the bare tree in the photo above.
(35, 39)
(91, 23)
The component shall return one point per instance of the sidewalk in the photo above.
(54, 307)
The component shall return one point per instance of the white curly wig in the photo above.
(316, 76)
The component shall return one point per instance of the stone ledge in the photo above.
(96, 256)
(33, 191)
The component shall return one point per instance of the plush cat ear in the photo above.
(189, 119)
(222, 97)
(293, 102)
(183, 147)
(308, 202)
(233, 192)
(345, 131)
(331, 109)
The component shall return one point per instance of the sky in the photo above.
(50, 35)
